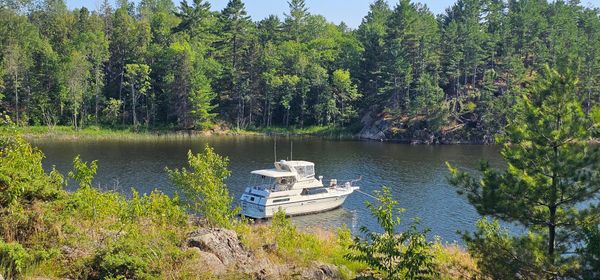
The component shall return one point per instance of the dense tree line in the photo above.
(158, 64)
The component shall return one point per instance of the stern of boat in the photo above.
(252, 203)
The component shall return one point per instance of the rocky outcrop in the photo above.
(409, 130)
(321, 271)
(222, 251)
(222, 243)
(417, 130)
(374, 128)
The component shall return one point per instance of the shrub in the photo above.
(454, 262)
(22, 178)
(404, 255)
(83, 173)
(204, 189)
(158, 207)
(120, 263)
(13, 259)
(24, 189)
(293, 245)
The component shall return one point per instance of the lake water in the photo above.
(416, 174)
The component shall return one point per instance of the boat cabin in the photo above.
(284, 176)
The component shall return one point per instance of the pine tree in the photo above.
(552, 172)
(372, 33)
(235, 35)
(295, 20)
(412, 43)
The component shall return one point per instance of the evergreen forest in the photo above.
(184, 66)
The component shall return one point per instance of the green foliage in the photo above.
(138, 80)
(22, 178)
(121, 265)
(404, 255)
(87, 233)
(344, 94)
(551, 172)
(191, 84)
(112, 111)
(160, 208)
(83, 172)
(502, 256)
(293, 245)
(14, 259)
(76, 74)
(286, 233)
(590, 252)
(306, 247)
(204, 189)
(452, 77)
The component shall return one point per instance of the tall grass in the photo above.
(332, 132)
(131, 133)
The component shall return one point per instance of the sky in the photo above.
(349, 11)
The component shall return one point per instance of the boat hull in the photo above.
(300, 206)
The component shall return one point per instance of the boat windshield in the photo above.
(305, 172)
(272, 184)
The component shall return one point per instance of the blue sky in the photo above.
(349, 11)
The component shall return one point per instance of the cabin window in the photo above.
(261, 181)
(305, 171)
(281, 200)
(313, 191)
(283, 167)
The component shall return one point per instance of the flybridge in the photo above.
(273, 173)
(297, 169)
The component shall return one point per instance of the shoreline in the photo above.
(128, 133)
(67, 133)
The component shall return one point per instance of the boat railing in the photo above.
(345, 182)
(262, 187)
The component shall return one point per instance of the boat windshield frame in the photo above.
(272, 184)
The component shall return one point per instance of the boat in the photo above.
(292, 187)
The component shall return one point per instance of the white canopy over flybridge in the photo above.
(295, 163)
(274, 173)
(304, 169)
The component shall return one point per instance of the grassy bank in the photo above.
(127, 132)
(89, 132)
(320, 131)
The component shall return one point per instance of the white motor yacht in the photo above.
(292, 187)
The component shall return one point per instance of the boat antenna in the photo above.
(275, 148)
(291, 149)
